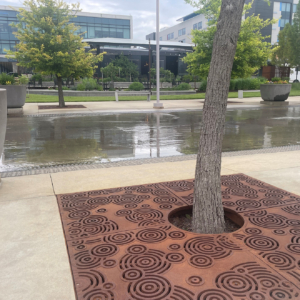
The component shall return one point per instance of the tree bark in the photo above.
(60, 92)
(208, 213)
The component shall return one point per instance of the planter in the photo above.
(3, 119)
(16, 95)
(275, 92)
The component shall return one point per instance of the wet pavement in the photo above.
(58, 140)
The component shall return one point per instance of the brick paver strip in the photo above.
(122, 247)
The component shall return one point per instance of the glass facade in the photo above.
(92, 27)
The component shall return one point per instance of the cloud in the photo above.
(143, 12)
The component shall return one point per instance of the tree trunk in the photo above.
(60, 92)
(208, 213)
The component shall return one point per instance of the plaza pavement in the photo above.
(33, 257)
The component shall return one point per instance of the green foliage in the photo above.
(252, 50)
(90, 83)
(65, 88)
(182, 87)
(203, 86)
(120, 79)
(23, 79)
(49, 43)
(80, 87)
(296, 86)
(110, 71)
(165, 75)
(37, 77)
(99, 87)
(276, 79)
(128, 69)
(5, 79)
(136, 86)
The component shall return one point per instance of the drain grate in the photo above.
(121, 245)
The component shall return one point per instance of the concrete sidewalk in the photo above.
(130, 106)
(34, 262)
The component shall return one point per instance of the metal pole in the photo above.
(157, 104)
(150, 66)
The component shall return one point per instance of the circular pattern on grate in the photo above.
(195, 280)
(244, 204)
(253, 231)
(201, 261)
(270, 221)
(260, 242)
(177, 235)
(104, 250)
(175, 257)
(119, 238)
(150, 287)
(132, 274)
(281, 260)
(151, 235)
(213, 295)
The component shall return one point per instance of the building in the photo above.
(93, 25)
(281, 11)
(182, 31)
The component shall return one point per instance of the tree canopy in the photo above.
(49, 43)
(252, 50)
(128, 68)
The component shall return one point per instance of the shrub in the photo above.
(296, 86)
(136, 86)
(111, 89)
(80, 87)
(99, 87)
(90, 83)
(23, 79)
(65, 88)
(203, 86)
(276, 79)
(119, 79)
(4, 78)
(182, 87)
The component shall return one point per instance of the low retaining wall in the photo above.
(103, 94)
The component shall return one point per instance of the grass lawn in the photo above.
(33, 98)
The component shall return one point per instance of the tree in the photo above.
(295, 42)
(252, 50)
(282, 55)
(128, 68)
(48, 42)
(110, 71)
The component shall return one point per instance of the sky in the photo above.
(143, 12)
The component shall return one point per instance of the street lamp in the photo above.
(157, 104)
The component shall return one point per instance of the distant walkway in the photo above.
(132, 106)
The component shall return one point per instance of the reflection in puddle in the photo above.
(50, 141)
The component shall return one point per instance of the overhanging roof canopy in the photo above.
(137, 43)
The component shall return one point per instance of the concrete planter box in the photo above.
(16, 95)
(3, 120)
(275, 92)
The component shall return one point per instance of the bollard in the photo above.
(240, 94)
(116, 96)
(148, 97)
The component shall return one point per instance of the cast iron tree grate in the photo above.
(122, 247)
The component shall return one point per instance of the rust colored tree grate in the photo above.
(122, 247)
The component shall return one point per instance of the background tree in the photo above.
(128, 68)
(295, 41)
(252, 50)
(48, 42)
(110, 71)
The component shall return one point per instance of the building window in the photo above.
(285, 6)
(181, 32)
(195, 26)
(170, 36)
(200, 25)
(294, 8)
(282, 22)
(160, 38)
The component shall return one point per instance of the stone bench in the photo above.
(142, 93)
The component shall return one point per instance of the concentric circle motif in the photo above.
(228, 203)
(150, 287)
(235, 283)
(180, 186)
(294, 248)
(247, 204)
(271, 221)
(145, 205)
(151, 235)
(213, 295)
(84, 260)
(101, 210)
(280, 294)
(160, 193)
(109, 263)
(253, 231)
(99, 294)
(130, 206)
(108, 286)
(165, 200)
(177, 235)
(105, 250)
(175, 257)
(295, 231)
(279, 232)
(195, 280)
(271, 202)
(281, 260)
(99, 201)
(201, 261)
(293, 222)
(165, 206)
(132, 274)
(257, 296)
(124, 212)
(260, 242)
(94, 220)
(119, 238)
(79, 214)
(136, 249)
(174, 247)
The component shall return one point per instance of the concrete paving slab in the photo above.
(33, 262)
(17, 188)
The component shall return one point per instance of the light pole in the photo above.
(157, 104)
